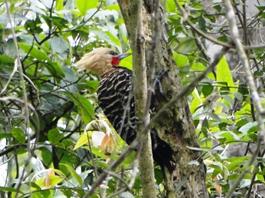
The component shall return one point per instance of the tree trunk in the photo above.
(140, 84)
(174, 125)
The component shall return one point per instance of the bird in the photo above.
(115, 97)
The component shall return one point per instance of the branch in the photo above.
(84, 21)
(250, 79)
(119, 178)
(5, 151)
(198, 31)
(146, 164)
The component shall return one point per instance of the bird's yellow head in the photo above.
(100, 60)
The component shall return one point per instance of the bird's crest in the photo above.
(97, 61)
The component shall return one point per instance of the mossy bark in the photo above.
(174, 125)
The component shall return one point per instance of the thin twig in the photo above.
(255, 171)
(25, 99)
(118, 192)
(112, 167)
(198, 31)
(84, 21)
(111, 173)
(245, 63)
(28, 53)
(9, 79)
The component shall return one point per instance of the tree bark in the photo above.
(146, 165)
(175, 125)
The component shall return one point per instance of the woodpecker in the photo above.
(115, 97)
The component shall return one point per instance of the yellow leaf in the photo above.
(84, 139)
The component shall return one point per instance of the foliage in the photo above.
(67, 143)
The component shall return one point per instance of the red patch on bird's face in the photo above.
(115, 60)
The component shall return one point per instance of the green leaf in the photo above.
(114, 39)
(88, 84)
(180, 59)
(73, 173)
(197, 66)
(68, 192)
(59, 22)
(85, 108)
(196, 102)
(236, 162)
(5, 135)
(59, 4)
(84, 5)
(19, 135)
(170, 6)
(58, 44)
(223, 74)
(7, 189)
(207, 89)
(113, 7)
(107, 36)
(55, 69)
(227, 136)
(248, 127)
(159, 176)
(54, 136)
(5, 59)
(46, 156)
(186, 46)
(34, 52)
(43, 193)
(130, 158)
(33, 26)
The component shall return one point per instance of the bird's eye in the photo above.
(113, 53)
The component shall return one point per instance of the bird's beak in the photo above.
(123, 55)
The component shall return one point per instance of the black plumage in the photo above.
(115, 95)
